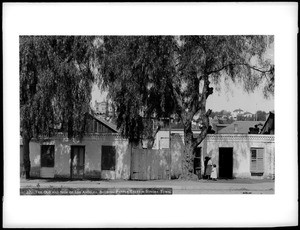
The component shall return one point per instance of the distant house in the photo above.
(237, 112)
(248, 114)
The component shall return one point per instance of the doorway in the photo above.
(197, 162)
(225, 163)
(77, 162)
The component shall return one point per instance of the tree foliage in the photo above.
(55, 83)
(261, 115)
(159, 76)
(136, 70)
(55, 86)
(163, 75)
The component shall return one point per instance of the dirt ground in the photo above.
(233, 186)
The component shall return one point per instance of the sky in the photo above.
(237, 98)
(225, 99)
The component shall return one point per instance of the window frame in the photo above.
(259, 168)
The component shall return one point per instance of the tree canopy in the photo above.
(148, 78)
(55, 86)
(160, 76)
(55, 83)
(165, 75)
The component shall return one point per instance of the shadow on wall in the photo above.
(123, 152)
(177, 148)
(63, 159)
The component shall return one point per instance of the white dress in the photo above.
(213, 174)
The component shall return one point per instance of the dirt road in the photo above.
(235, 186)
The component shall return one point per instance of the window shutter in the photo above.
(253, 165)
(257, 160)
(253, 160)
(260, 160)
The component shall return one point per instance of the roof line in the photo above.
(105, 123)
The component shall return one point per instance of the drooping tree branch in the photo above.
(271, 70)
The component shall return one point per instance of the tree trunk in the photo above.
(26, 156)
(188, 155)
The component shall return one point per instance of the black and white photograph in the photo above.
(155, 130)
(152, 109)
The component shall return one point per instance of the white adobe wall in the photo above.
(241, 144)
(93, 148)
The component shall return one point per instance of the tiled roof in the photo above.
(242, 126)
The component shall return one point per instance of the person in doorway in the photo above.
(214, 173)
(208, 168)
(205, 166)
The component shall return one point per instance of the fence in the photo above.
(151, 164)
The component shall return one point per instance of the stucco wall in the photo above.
(35, 158)
(241, 144)
(93, 151)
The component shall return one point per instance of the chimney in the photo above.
(235, 128)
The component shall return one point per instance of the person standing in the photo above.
(208, 168)
(214, 172)
(205, 166)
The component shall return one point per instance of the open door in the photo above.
(77, 162)
(225, 163)
(197, 162)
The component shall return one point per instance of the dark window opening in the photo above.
(47, 156)
(108, 158)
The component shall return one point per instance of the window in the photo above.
(108, 158)
(257, 162)
(47, 156)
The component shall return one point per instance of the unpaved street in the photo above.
(235, 186)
